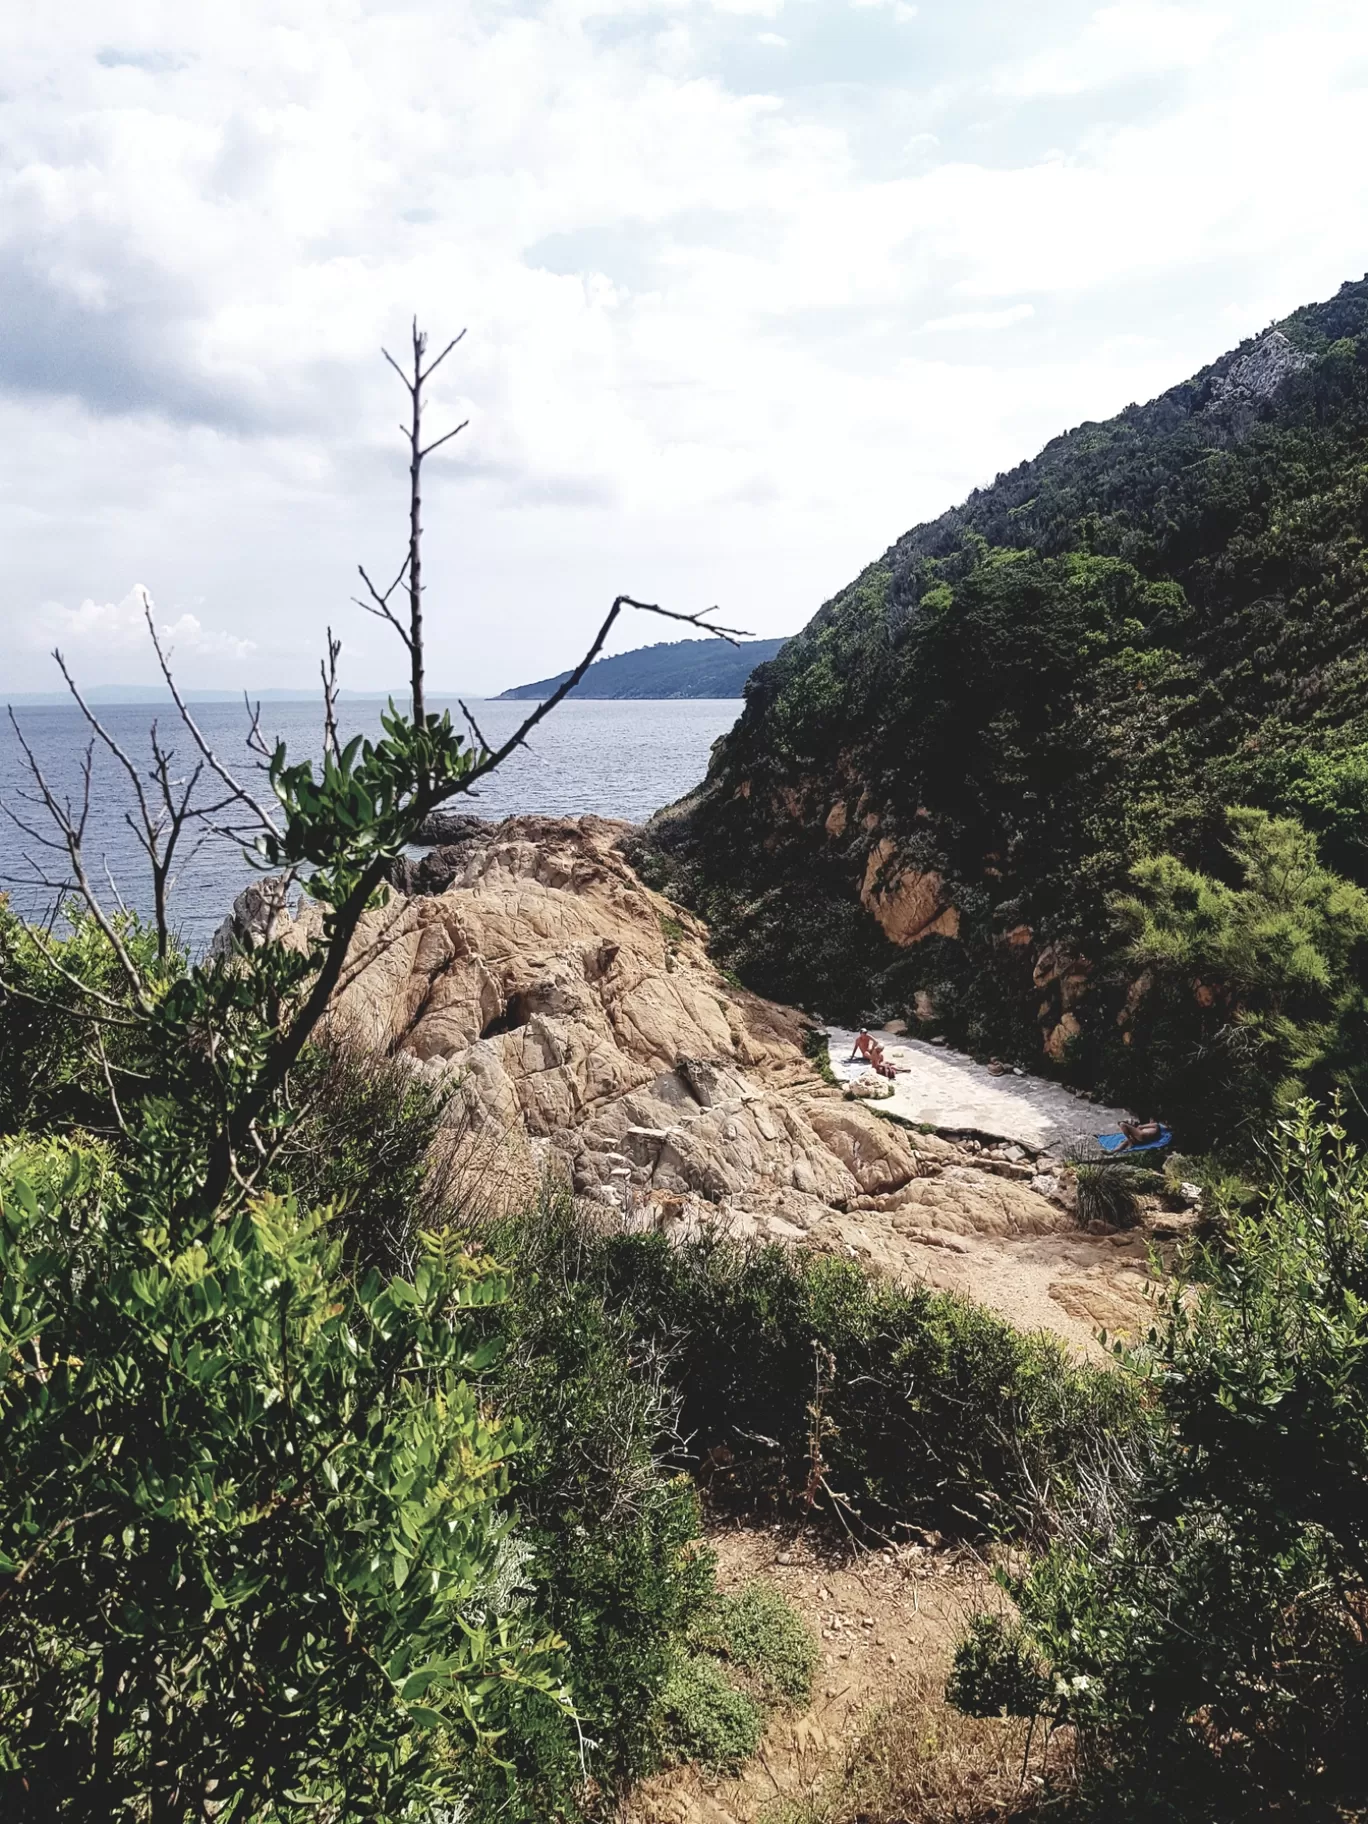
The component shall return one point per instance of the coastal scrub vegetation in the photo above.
(320, 1500)
(284, 1524)
(1203, 1628)
(1106, 699)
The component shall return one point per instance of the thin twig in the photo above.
(72, 831)
(196, 734)
(474, 728)
(379, 604)
(109, 1081)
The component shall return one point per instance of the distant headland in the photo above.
(679, 668)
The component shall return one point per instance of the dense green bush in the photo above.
(66, 1021)
(249, 1520)
(363, 1144)
(801, 1379)
(758, 1631)
(1108, 1193)
(1254, 991)
(1203, 1618)
(614, 1529)
(709, 1718)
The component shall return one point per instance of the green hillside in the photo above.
(675, 668)
(989, 787)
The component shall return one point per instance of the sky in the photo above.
(749, 288)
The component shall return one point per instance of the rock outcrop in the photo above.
(581, 1029)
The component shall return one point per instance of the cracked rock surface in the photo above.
(581, 1028)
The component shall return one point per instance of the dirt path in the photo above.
(886, 1622)
(946, 1090)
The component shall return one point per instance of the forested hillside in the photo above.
(1077, 773)
(673, 668)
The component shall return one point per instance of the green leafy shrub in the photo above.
(249, 1522)
(1204, 1627)
(804, 1380)
(762, 1633)
(747, 1654)
(614, 1526)
(995, 1672)
(817, 1047)
(1254, 993)
(52, 1034)
(364, 1145)
(706, 1718)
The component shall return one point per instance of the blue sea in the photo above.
(615, 759)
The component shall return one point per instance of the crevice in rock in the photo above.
(517, 1011)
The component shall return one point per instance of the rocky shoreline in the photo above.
(581, 1030)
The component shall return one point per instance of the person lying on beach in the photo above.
(1139, 1133)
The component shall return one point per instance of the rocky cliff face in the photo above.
(939, 787)
(582, 1030)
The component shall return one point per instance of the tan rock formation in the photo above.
(908, 905)
(581, 1028)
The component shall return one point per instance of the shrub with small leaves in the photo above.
(759, 1631)
(705, 1717)
(1204, 1629)
(250, 1522)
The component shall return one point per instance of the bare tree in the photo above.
(411, 570)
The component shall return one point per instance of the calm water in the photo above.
(615, 759)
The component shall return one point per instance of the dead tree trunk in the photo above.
(411, 570)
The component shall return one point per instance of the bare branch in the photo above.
(109, 1081)
(160, 831)
(104, 735)
(243, 796)
(432, 366)
(543, 709)
(474, 728)
(72, 831)
(113, 884)
(398, 370)
(379, 604)
(34, 835)
(732, 635)
(327, 670)
(256, 741)
(429, 448)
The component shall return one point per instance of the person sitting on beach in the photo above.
(873, 1053)
(1139, 1133)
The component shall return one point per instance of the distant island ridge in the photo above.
(674, 668)
(678, 668)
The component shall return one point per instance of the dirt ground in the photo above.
(886, 1622)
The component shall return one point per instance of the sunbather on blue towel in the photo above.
(1139, 1133)
(1135, 1137)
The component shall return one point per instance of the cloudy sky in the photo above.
(751, 286)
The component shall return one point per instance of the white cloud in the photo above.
(774, 38)
(100, 630)
(714, 385)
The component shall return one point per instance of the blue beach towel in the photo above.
(1112, 1143)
